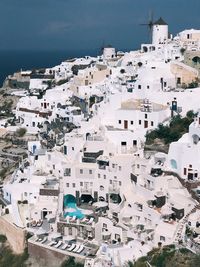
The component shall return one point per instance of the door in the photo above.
(145, 124)
(125, 124)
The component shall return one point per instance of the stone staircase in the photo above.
(124, 236)
(181, 228)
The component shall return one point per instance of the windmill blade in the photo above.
(151, 18)
(149, 24)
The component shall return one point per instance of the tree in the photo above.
(21, 132)
(182, 50)
(71, 263)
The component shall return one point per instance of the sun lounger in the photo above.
(76, 248)
(72, 247)
(81, 248)
(90, 221)
(44, 240)
(58, 244)
(64, 246)
(39, 223)
(84, 220)
(34, 224)
(52, 243)
(73, 219)
(67, 219)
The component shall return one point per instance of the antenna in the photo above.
(149, 24)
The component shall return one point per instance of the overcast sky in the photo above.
(86, 24)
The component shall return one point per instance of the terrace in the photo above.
(64, 245)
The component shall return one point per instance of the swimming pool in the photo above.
(76, 212)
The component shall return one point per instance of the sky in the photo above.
(88, 24)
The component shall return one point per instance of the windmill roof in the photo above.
(160, 21)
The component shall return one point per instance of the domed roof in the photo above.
(160, 21)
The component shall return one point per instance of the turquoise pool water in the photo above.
(76, 212)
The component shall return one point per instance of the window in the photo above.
(110, 181)
(120, 183)
(73, 148)
(90, 171)
(115, 177)
(120, 168)
(140, 122)
(104, 225)
(73, 185)
(123, 143)
(25, 194)
(135, 142)
(151, 123)
(101, 187)
(131, 122)
(81, 171)
(65, 150)
(70, 230)
(104, 176)
(120, 121)
(178, 80)
(162, 238)
(54, 166)
(139, 86)
(99, 175)
(67, 172)
(145, 115)
(67, 184)
(81, 183)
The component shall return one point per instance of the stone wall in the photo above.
(44, 256)
(14, 234)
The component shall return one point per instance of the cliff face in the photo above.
(15, 235)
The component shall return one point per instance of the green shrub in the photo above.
(71, 263)
(3, 238)
(6, 211)
(177, 127)
(21, 132)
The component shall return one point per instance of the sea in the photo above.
(12, 61)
